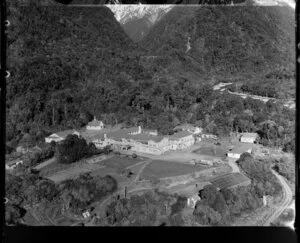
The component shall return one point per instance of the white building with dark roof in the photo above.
(95, 125)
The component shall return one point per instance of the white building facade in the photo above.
(144, 143)
(248, 137)
(95, 125)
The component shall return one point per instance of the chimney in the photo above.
(140, 130)
(105, 136)
(95, 118)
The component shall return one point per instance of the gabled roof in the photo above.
(63, 133)
(180, 134)
(124, 133)
(131, 129)
(95, 123)
(146, 137)
(249, 134)
(185, 126)
(241, 148)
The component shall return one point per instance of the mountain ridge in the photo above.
(224, 41)
(137, 20)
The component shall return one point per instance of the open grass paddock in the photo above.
(210, 151)
(161, 169)
(120, 162)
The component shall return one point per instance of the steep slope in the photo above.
(57, 56)
(137, 20)
(223, 42)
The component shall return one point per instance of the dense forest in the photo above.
(240, 42)
(69, 64)
(29, 189)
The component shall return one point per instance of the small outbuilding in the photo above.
(236, 152)
(248, 137)
(86, 214)
(95, 125)
(10, 165)
(191, 201)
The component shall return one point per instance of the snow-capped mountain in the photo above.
(126, 13)
(291, 3)
(138, 19)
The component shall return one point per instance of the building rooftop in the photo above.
(149, 130)
(180, 134)
(146, 137)
(64, 133)
(12, 162)
(185, 126)
(125, 133)
(241, 148)
(249, 134)
(95, 123)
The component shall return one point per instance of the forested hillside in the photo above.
(219, 43)
(58, 55)
(71, 63)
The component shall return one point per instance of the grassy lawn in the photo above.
(161, 169)
(51, 166)
(210, 151)
(109, 171)
(120, 162)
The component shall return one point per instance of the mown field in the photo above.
(112, 166)
(120, 162)
(211, 151)
(161, 169)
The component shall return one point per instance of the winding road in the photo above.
(287, 198)
(289, 103)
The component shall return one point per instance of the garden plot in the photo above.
(212, 151)
(230, 180)
(161, 169)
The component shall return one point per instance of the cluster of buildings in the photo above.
(144, 141)
(247, 141)
(20, 157)
(148, 141)
(94, 125)
(135, 138)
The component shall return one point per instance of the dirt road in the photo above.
(233, 165)
(141, 170)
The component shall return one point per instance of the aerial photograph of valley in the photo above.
(150, 115)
